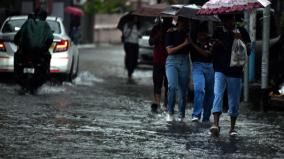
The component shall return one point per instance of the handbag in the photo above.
(239, 54)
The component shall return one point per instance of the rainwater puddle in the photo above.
(142, 73)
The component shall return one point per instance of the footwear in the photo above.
(194, 119)
(131, 81)
(170, 118)
(154, 108)
(215, 131)
(233, 133)
(181, 119)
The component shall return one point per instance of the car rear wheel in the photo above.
(77, 70)
(68, 77)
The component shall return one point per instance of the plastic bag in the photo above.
(239, 54)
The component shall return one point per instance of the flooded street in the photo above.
(99, 115)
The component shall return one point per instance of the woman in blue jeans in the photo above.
(177, 66)
(202, 74)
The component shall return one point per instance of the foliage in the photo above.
(7, 4)
(105, 6)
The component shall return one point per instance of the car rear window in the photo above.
(16, 24)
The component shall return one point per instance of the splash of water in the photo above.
(47, 89)
(281, 90)
(86, 79)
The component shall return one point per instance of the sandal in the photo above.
(233, 133)
(215, 131)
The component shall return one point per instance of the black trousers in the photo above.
(131, 57)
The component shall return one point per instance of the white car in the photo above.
(65, 55)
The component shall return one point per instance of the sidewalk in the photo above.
(86, 46)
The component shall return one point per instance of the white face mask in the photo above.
(174, 21)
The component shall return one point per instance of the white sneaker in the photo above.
(169, 118)
(194, 119)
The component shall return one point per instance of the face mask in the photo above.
(174, 22)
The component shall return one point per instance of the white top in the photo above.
(130, 33)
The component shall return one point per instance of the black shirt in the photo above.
(222, 55)
(175, 38)
(197, 57)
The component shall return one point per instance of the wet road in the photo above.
(100, 116)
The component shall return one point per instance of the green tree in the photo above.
(7, 4)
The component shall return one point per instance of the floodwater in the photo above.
(100, 116)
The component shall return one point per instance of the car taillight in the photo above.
(2, 46)
(61, 46)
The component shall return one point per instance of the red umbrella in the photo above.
(74, 11)
(227, 6)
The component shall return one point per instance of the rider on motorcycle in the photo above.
(33, 40)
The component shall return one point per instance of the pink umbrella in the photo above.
(74, 11)
(227, 6)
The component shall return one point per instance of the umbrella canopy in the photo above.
(227, 6)
(144, 22)
(171, 10)
(74, 11)
(124, 19)
(190, 12)
(151, 10)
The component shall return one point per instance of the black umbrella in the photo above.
(144, 22)
(125, 19)
(153, 10)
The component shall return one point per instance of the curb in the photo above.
(86, 46)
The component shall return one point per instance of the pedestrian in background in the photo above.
(202, 73)
(177, 67)
(157, 38)
(226, 76)
(75, 33)
(130, 36)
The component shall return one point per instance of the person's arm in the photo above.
(218, 44)
(245, 38)
(49, 38)
(17, 37)
(203, 52)
(173, 50)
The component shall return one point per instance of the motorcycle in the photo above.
(31, 72)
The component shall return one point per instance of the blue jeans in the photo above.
(233, 85)
(177, 71)
(203, 81)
